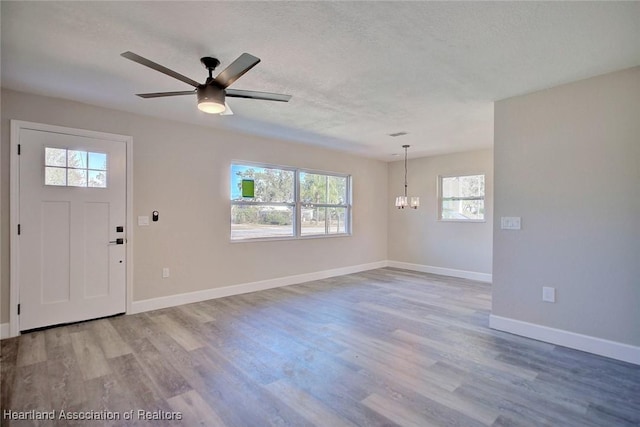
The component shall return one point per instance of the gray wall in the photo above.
(567, 160)
(417, 237)
(183, 171)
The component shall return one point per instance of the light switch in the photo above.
(510, 223)
(143, 220)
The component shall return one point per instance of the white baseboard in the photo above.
(243, 288)
(4, 331)
(602, 347)
(207, 294)
(463, 274)
(197, 296)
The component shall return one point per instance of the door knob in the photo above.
(118, 241)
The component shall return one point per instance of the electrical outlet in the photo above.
(165, 272)
(548, 294)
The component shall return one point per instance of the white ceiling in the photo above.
(357, 71)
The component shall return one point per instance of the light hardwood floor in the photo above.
(380, 348)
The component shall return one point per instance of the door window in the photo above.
(74, 168)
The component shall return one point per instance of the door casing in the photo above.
(14, 200)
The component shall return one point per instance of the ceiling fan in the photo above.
(211, 94)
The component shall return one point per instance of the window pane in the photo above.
(76, 177)
(323, 189)
(336, 220)
(337, 190)
(55, 176)
(313, 188)
(325, 220)
(77, 159)
(270, 185)
(313, 221)
(463, 209)
(472, 186)
(450, 187)
(55, 157)
(463, 186)
(72, 170)
(97, 179)
(98, 161)
(252, 222)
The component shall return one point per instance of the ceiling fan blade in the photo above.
(147, 63)
(236, 69)
(251, 94)
(227, 111)
(163, 94)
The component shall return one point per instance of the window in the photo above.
(461, 198)
(73, 168)
(324, 204)
(272, 202)
(271, 211)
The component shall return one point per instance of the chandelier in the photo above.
(404, 201)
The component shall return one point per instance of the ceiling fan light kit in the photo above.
(211, 94)
(211, 99)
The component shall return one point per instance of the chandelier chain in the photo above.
(405, 169)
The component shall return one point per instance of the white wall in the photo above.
(417, 237)
(183, 172)
(567, 160)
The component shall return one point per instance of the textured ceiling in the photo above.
(358, 71)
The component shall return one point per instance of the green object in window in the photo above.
(248, 188)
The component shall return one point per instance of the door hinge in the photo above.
(18, 309)
(19, 149)
(19, 229)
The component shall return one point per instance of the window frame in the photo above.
(297, 203)
(442, 199)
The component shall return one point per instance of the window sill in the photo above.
(276, 239)
(462, 220)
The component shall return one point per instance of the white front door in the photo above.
(72, 236)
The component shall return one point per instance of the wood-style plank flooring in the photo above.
(380, 348)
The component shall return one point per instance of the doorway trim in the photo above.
(14, 203)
